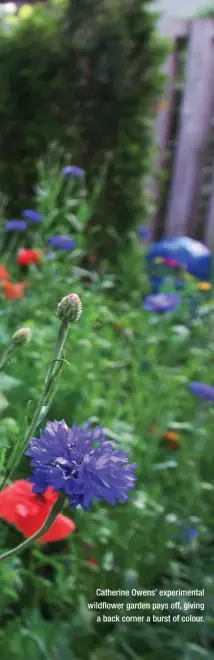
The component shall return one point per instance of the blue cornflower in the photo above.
(145, 233)
(202, 390)
(32, 216)
(162, 302)
(72, 170)
(62, 242)
(191, 534)
(187, 534)
(16, 225)
(81, 463)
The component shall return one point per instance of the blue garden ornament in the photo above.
(193, 255)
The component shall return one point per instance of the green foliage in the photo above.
(129, 371)
(206, 12)
(130, 384)
(87, 77)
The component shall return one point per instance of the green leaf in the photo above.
(3, 403)
(169, 465)
(181, 426)
(102, 654)
(198, 651)
(4, 443)
(8, 382)
(74, 222)
(83, 213)
(107, 284)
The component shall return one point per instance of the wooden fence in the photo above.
(196, 114)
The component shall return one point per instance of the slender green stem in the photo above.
(48, 380)
(57, 508)
(11, 248)
(16, 455)
(6, 356)
(44, 411)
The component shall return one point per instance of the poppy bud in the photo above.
(21, 337)
(69, 309)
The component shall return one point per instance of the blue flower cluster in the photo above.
(61, 242)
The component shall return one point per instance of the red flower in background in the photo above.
(27, 512)
(26, 257)
(92, 561)
(13, 291)
(4, 275)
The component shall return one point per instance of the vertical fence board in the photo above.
(171, 28)
(196, 113)
(209, 226)
(162, 128)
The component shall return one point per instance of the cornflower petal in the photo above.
(66, 459)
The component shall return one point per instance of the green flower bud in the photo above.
(21, 337)
(69, 309)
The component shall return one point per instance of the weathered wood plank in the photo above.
(196, 114)
(173, 27)
(162, 128)
(209, 225)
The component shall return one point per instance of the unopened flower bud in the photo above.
(127, 333)
(21, 337)
(69, 309)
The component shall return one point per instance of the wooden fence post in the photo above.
(195, 121)
(170, 28)
(209, 226)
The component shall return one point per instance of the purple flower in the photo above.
(191, 534)
(162, 302)
(187, 534)
(202, 390)
(81, 463)
(15, 225)
(31, 215)
(72, 170)
(62, 242)
(145, 233)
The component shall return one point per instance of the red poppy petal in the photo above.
(50, 495)
(60, 530)
(13, 291)
(3, 273)
(17, 493)
(27, 512)
(26, 257)
(92, 561)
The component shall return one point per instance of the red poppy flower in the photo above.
(4, 275)
(27, 512)
(171, 440)
(13, 291)
(92, 561)
(26, 257)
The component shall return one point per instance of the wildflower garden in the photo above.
(106, 365)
